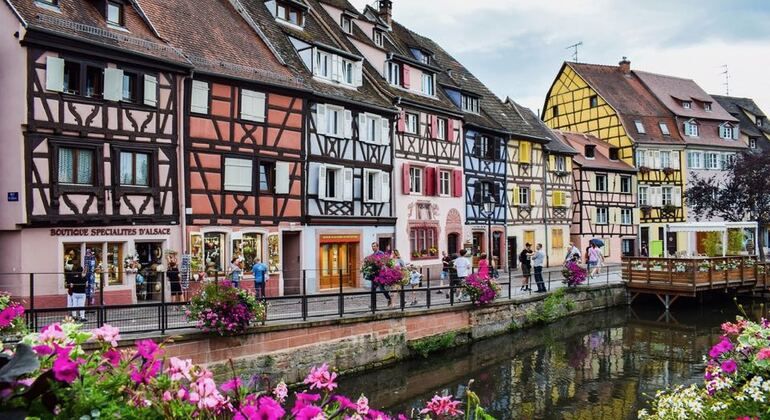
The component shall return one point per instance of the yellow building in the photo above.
(611, 103)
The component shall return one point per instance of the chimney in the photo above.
(625, 65)
(386, 11)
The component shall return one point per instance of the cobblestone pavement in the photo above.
(147, 318)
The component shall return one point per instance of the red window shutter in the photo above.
(402, 122)
(430, 181)
(437, 183)
(405, 76)
(457, 183)
(405, 178)
(450, 130)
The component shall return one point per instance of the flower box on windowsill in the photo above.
(669, 171)
(644, 170)
(560, 173)
(424, 257)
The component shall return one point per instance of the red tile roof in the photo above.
(601, 159)
(671, 91)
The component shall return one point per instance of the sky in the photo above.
(516, 46)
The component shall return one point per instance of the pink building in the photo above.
(604, 197)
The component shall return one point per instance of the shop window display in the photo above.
(213, 255)
(249, 247)
(108, 259)
(273, 254)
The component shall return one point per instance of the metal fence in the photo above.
(163, 315)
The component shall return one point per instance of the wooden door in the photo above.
(338, 264)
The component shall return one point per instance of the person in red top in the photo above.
(483, 266)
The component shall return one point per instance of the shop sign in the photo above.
(110, 231)
(339, 238)
(13, 196)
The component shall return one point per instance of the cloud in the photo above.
(516, 47)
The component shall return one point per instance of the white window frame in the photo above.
(524, 193)
(325, 58)
(412, 123)
(416, 180)
(378, 37)
(428, 85)
(726, 131)
(695, 160)
(333, 111)
(393, 73)
(470, 104)
(665, 159)
(346, 23)
(687, 104)
(691, 129)
(630, 184)
(752, 143)
(711, 161)
(626, 216)
(380, 188)
(444, 182)
(441, 127)
(640, 127)
(641, 158)
(242, 170)
(117, 6)
(596, 182)
(602, 216)
(340, 187)
(664, 129)
(667, 196)
(707, 106)
(561, 163)
(643, 195)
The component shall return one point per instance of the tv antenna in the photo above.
(575, 52)
(726, 83)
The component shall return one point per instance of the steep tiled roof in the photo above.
(228, 46)
(738, 107)
(632, 101)
(533, 126)
(342, 5)
(81, 20)
(601, 159)
(672, 90)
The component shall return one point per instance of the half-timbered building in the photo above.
(243, 147)
(539, 180)
(604, 198)
(348, 197)
(428, 176)
(90, 138)
(612, 103)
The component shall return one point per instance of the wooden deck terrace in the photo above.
(670, 278)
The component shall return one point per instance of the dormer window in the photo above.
(760, 121)
(664, 129)
(289, 13)
(687, 104)
(707, 106)
(590, 151)
(421, 56)
(378, 36)
(470, 104)
(54, 3)
(728, 132)
(336, 68)
(346, 23)
(639, 127)
(614, 153)
(114, 13)
(752, 143)
(394, 73)
(691, 128)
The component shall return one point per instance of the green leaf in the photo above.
(23, 362)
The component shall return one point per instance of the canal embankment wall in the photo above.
(287, 351)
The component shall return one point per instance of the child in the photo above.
(414, 279)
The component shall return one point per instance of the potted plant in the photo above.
(574, 274)
(644, 170)
(224, 309)
(433, 251)
(669, 171)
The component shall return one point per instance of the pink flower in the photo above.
(112, 356)
(377, 415)
(269, 409)
(148, 371)
(231, 385)
(730, 328)
(107, 334)
(362, 405)
(321, 378)
(203, 392)
(721, 348)
(6, 316)
(148, 349)
(43, 350)
(442, 406)
(281, 391)
(179, 369)
(345, 402)
(729, 366)
(167, 396)
(763, 354)
(52, 333)
(64, 368)
(308, 412)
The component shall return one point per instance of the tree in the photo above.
(743, 193)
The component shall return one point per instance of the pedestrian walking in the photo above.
(483, 266)
(446, 263)
(376, 252)
(414, 280)
(259, 269)
(526, 266)
(595, 260)
(573, 253)
(538, 259)
(172, 274)
(67, 273)
(235, 272)
(77, 283)
(463, 268)
(90, 275)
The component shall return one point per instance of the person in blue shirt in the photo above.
(260, 271)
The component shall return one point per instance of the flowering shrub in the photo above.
(391, 276)
(51, 376)
(225, 309)
(11, 317)
(736, 383)
(573, 273)
(481, 290)
(381, 270)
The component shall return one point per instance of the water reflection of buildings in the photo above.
(599, 366)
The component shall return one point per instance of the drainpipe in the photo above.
(546, 155)
(181, 183)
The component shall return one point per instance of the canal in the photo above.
(601, 365)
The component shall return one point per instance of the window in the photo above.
(665, 159)
(639, 127)
(707, 106)
(48, 2)
(199, 102)
(441, 129)
(726, 131)
(346, 23)
(712, 161)
(214, 251)
(626, 216)
(335, 183)
(590, 151)
(334, 123)
(525, 152)
(643, 199)
(322, 64)
(753, 143)
(135, 169)
(415, 180)
(601, 182)
(422, 240)
(411, 125)
(686, 104)
(555, 110)
(238, 174)
(484, 192)
(760, 121)
(557, 239)
(625, 184)
(695, 160)
(72, 77)
(108, 258)
(267, 177)
(668, 199)
(470, 104)
(524, 196)
(114, 13)
(444, 182)
(560, 163)
(65, 76)
(593, 101)
(725, 160)
(94, 82)
(289, 13)
(559, 199)
(376, 186)
(664, 129)
(252, 105)
(372, 128)
(377, 36)
(249, 246)
(348, 71)
(76, 166)
(641, 158)
(130, 93)
(691, 129)
(427, 84)
(394, 73)
(602, 215)
(614, 153)
(481, 147)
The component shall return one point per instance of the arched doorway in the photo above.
(453, 243)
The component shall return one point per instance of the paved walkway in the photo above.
(146, 319)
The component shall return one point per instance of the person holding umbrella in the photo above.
(595, 257)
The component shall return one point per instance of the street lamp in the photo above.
(489, 209)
